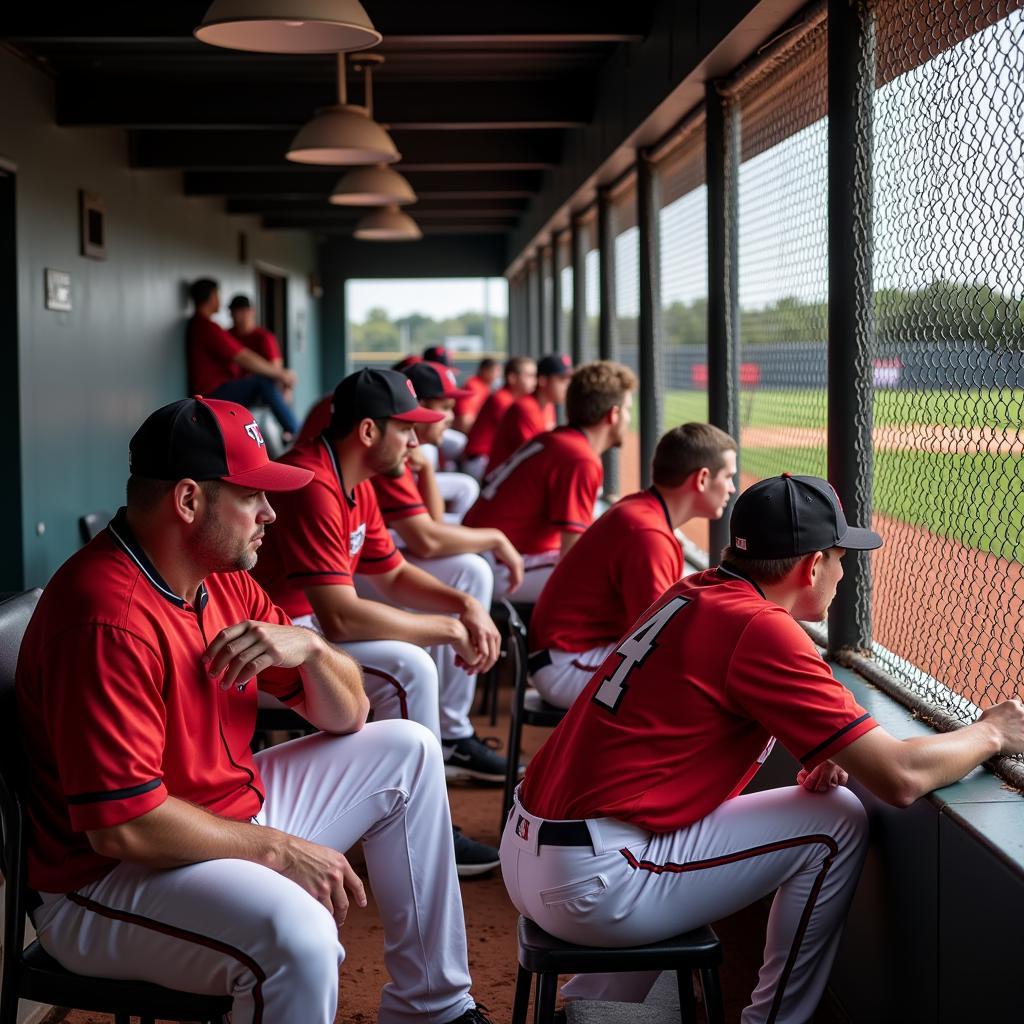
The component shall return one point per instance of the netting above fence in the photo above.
(949, 364)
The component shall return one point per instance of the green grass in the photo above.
(807, 407)
(976, 499)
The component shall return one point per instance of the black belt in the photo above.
(535, 662)
(563, 833)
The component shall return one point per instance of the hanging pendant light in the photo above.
(388, 224)
(372, 186)
(343, 134)
(288, 26)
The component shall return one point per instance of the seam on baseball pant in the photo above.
(186, 936)
(403, 704)
(757, 851)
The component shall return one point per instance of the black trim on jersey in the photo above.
(325, 572)
(840, 732)
(125, 539)
(113, 794)
(350, 498)
(661, 501)
(568, 522)
(284, 698)
(380, 558)
(730, 570)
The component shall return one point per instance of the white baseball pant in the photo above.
(469, 574)
(232, 927)
(475, 466)
(459, 491)
(629, 887)
(536, 570)
(453, 444)
(561, 682)
(400, 679)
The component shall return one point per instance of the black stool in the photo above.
(508, 616)
(548, 957)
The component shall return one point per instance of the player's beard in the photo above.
(214, 547)
(384, 466)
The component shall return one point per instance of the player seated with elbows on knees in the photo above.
(629, 826)
(161, 849)
(416, 664)
(626, 561)
(542, 497)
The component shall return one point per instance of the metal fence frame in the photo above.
(851, 85)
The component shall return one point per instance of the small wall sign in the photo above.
(58, 290)
(92, 225)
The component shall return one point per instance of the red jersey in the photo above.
(524, 419)
(211, 356)
(398, 497)
(324, 534)
(609, 577)
(485, 426)
(680, 716)
(471, 404)
(117, 710)
(317, 421)
(546, 488)
(260, 341)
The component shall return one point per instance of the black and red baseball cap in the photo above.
(556, 364)
(785, 516)
(436, 354)
(433, 380)
(208, 439)
(403, 364)
(378, 395)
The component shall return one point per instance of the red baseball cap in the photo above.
(435, 380)
(208, 439)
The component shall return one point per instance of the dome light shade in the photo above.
(342, 135)
(372, 186)
(288, 26)
(387, 224)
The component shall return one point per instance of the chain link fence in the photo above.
(948, 488)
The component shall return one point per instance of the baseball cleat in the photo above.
(471, 758)
(474, 1016)
(473, 858)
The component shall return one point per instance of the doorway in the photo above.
(272, 293)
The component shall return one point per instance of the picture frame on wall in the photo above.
(92, 225)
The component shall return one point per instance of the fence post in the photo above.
(722, 171)
(545, 265)
(607, 333)
(650, 336)
(513, 316)
(579, 290)
(533, 305)
(557, 326)
(851, 80)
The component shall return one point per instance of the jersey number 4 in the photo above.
(634, 650)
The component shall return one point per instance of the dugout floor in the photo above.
(491, 923)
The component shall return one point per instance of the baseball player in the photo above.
(530, 415)
(332, 530)
(160, 848)
(480, 386)
(542, 497)
(626, 561)
(451, 554)
(629, 826)
(520, 379)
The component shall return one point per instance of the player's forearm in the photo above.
(426, 538)
(362, 619)
(932, 762)
(333, 696)
(568, 539)
(253, 362)
(411, 587)
(178, 833)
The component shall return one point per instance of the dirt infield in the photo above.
(912, 437)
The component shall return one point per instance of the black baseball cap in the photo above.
(209, 439)
(436, 354)
(557, 364)
(434, 380)
(785, 516)
(239, 302)
(378, 395)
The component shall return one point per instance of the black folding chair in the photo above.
(92, 523)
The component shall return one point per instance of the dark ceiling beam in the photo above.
(278, 222)
(437, 21)
(506, 184)
(318, 205)
(313, 218)
(211, 150)
(151, 102)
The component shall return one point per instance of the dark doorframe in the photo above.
(272, 305)
(12, 569)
